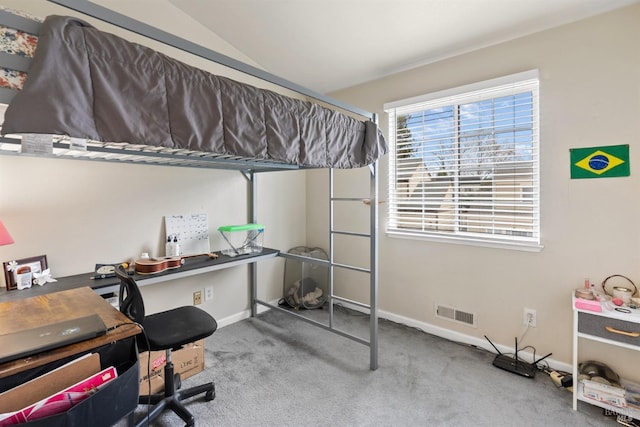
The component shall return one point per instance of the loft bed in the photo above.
(118, 92)
(71, 76)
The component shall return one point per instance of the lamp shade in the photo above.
(5, 237)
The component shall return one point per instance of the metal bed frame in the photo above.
(130, 153)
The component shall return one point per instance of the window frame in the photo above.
(492, 89)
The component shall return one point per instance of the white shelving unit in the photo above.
(609, 327)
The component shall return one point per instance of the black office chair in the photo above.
(166, 330)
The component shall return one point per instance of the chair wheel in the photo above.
(177, 381)
(210, 395)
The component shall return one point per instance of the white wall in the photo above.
(589, 96)
(80, 213)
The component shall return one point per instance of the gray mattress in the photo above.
(86, 83)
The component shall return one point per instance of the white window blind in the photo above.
(464, 163)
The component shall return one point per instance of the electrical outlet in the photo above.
(208, 293)
(197, 297)
(529, 317)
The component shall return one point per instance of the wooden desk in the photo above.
(55, 307)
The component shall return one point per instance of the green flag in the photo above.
(600, 162)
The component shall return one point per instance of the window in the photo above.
(464, 164)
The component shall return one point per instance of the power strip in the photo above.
(561, 380)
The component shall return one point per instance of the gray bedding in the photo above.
(89, 84)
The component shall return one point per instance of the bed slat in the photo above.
(6, 95)
(27, 25)
(15, 62)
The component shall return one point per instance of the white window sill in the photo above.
(518, 246)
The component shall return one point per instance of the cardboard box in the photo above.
(187, 361)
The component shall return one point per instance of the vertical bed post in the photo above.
(373, 276)
(331, 257)
(252, 217)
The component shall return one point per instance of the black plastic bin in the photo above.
(110, 404)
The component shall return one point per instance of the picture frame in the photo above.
(18, 274)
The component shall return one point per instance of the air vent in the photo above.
(453, 314)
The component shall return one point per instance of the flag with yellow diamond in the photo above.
(600, 162)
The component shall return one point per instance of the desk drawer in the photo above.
(612, 329)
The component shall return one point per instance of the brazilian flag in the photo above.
(600, 162)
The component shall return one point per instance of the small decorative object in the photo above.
(43, 278)
(621, 291)
(22, 273)
(103, 271)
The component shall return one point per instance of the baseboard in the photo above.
(245, 314)
(459, 337)
(423, 326)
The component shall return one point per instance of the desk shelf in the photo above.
(191, 267)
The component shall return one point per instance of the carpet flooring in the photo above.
(275, 370)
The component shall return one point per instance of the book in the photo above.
(62, 400)
(612, 395)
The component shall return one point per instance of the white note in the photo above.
(192, 231)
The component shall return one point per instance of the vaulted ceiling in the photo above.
(326, 45)
(332, 44)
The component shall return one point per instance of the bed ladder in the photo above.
(370, 308)
(372, 270)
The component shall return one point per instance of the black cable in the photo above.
(532, 348)
(118, 325)
(146, 340)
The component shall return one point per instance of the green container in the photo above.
(242, 239)
(243, 227)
